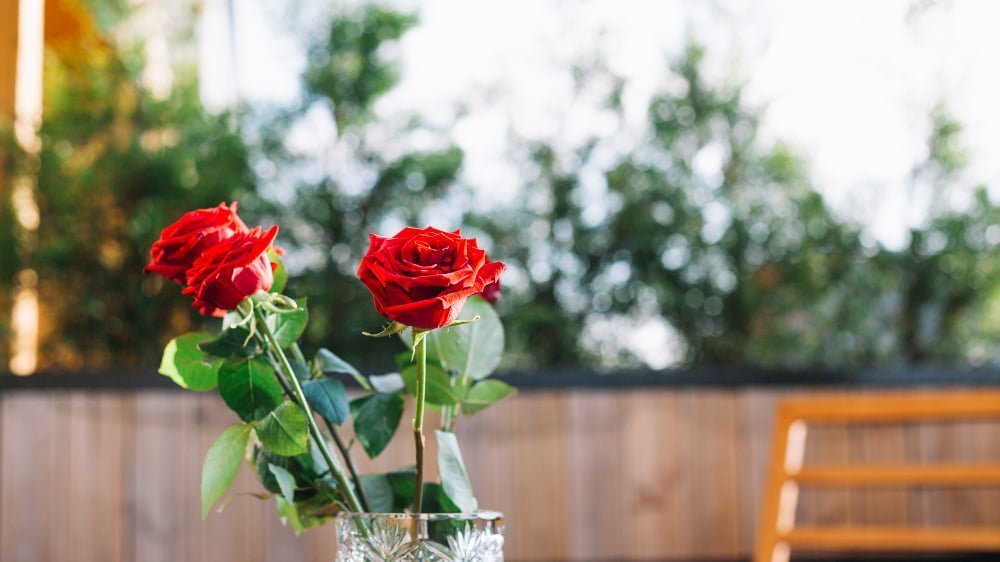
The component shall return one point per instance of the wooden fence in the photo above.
(645, 474)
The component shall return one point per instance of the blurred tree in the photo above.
(725, 240)
(949, 274)
(361, 186)
(116, 166)
(692, 224)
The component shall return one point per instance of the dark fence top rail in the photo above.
(584, 379)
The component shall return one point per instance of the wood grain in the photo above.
(641, 474)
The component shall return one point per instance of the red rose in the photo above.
(181, 243)
(231, 271)
(422, 277)
(491, 293)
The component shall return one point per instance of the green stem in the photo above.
(418, 418)
(345, 451)
(346, 454)
(317, 435)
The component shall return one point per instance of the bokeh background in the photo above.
(671, 183)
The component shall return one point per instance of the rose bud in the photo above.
(231, 271)
(181, 243)
(422, 277)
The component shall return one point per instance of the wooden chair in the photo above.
(778, 534)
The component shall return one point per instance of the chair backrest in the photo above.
(778, 533)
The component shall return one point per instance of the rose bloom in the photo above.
(181, 243)
(422, 277)
(231, 271)
(492, 292)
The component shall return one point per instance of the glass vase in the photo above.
(427, 537)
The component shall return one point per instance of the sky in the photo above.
(848, 84)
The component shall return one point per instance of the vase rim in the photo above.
(485, 515)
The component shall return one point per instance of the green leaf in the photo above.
(249, 387)
(229, 343)
(484, 393)
(289, 515)
(378, 492)
(285, 431)
(376, 418)
(221, 464)
(439, 389)
(473, 349)
(287, 327)
(328, 397)
(389, 382)
(286, 482)
(404, 487)
(436, 500)
(300, 467)
(327, 361)
(454, 478)
(188, 365)
(280, 273)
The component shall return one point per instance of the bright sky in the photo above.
(848, 83)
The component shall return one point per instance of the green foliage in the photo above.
(473, 349)
(327, 361)
(284, 431)
(439, 389)
(328, 398)
(378, 491)
(376, 418)
(454, 478)
(348, 69)
(285, 481)
(221, 464)
(188, 365)
(287, 327)
(348, 72)
(234, 341)
(116, 166)
(280, 273)
(249, 388)
(485, 393)
(698, 224)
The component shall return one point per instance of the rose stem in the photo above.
(345, 453)
(346, 488)
(418, 418)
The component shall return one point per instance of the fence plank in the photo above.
(651, 472)
(593, 426)
(35, 477)
(537, 524)
(714, 475)
(581, 475)
(98, 451)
